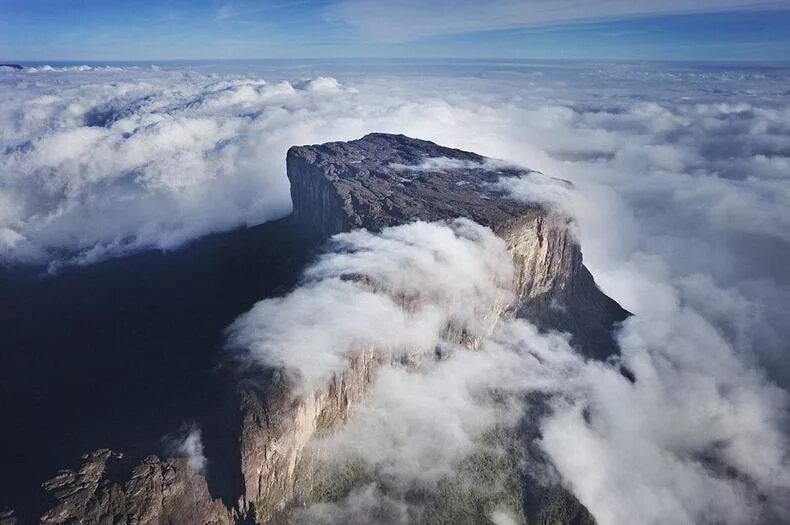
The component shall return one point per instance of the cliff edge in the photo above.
(385, 180)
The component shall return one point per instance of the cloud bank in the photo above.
(698, 436)
(680, 175)
(98, 162)
(359, 297)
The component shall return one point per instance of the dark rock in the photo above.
(8, 517)
(379, 181)
(156, 492)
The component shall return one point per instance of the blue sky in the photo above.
(33, 30)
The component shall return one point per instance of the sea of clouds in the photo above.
(699, 436)
(682, 200)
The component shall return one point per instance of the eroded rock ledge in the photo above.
(156, 491)
(378, 181)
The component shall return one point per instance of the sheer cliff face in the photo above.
(277, 428)
(388, 180)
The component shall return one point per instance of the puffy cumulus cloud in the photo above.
(96, 163)
(698, 437)
(416, 426)
(398, 292)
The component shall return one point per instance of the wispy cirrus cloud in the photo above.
(407, 20)
(232, 10)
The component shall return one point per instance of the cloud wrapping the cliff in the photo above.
(628, 450)
(682, 206)
(396, 292)
(697, 438)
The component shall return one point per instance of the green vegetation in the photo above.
(267, 508)
(485, 482)
(337, 481)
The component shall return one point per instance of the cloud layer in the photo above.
(681, 197)
(359, 297)
(97, 162)
(697, 437)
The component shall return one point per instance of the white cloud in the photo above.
(99, 168)
(457, 274)
(683, 209)
(699, 437)
(405, 20)
(189, 444)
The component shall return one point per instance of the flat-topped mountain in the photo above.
(386, 180)
(375, 182)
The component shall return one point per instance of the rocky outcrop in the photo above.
(155, 492)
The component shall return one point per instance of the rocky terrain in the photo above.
(157, 491)
(374, 182)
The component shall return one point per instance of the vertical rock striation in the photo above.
(277, 428)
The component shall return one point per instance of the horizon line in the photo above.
(45, 61)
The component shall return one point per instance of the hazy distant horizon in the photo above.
(34, 30)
